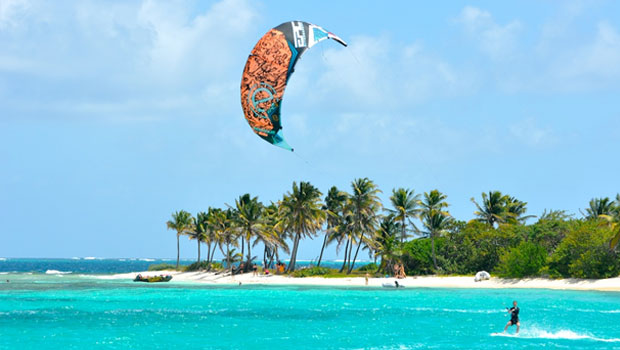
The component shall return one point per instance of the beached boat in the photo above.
(160, 278)
(394, 284)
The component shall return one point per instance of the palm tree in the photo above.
(343, 233)
(434, 218)
(197, 231)
(212, 225)
(515, 211)
(493, 208)
(405, 204)
(387, 243)
(182, 223)
(600, 207)
(615, 223)
(271, 235)
(249, 211)
(334, 205)
(300, 211)
(222, 223)
(232, 257)
(363, 206)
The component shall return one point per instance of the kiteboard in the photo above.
(502, 334)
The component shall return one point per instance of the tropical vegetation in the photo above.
(416, 230)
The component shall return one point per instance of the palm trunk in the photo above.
(178, 251)
(228, 258)
(242, 246)
(350, 251)
(249, 262)
(198, 261)
(402, 235)
(273, 253)
(322, 248)
(346, 249)
(293, 261)
(355, 257)
(265, 258)
(208, 252)
(212, 254)
(433, 251)
(382, 266)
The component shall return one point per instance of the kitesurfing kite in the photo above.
(267, 71)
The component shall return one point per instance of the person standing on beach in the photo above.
(514, 317)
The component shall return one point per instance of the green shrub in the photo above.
(372, 267)
(490, 244)
(313, 271)
(161, 267)
(585, 253)
(203, 265)
(597, 262)
(417, 256)
(525, 260)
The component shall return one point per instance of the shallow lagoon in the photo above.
(76, 312)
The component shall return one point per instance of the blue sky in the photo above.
(115, 114)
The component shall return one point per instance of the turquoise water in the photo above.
(72, 312)
(94, 265)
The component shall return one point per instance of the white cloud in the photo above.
(594, 61)
(376, 74)
(528, 132)
(11, 11)
(132, 57)
(496, 40)
(185, 46)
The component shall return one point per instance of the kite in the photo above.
(269, 66)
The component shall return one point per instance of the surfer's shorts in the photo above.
(514, 321)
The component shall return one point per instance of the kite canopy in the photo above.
(271, 63)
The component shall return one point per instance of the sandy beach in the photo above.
(611, 284)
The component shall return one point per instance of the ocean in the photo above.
(82, 311)
(93, 265)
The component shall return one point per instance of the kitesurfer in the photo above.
(514, 316)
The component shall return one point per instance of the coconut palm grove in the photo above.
(415, 230)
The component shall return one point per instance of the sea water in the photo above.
(54, 311)
(94, 265)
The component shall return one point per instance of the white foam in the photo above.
(90, 258)
(535, 333)
(146, 259)
(56, 272)
(2, 259)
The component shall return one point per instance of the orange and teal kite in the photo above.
(267, 71)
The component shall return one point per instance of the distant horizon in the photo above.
(171, 259)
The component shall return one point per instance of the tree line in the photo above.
(416, 230)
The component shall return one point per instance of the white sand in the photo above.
(611, 284)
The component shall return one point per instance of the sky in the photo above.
(114, 115)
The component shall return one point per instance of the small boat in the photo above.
(392, 285)
(160, 278)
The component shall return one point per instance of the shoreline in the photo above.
(465, 282)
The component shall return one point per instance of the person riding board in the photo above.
(514, 316)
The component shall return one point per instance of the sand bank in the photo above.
(611, 284)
